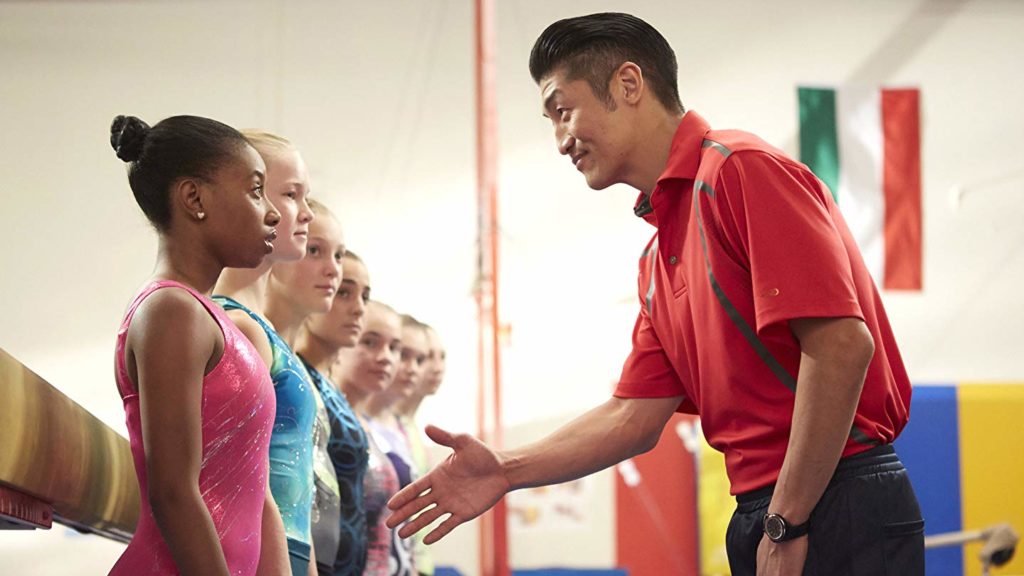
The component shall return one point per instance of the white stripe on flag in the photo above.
(861, 199)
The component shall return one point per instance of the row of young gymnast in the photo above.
(270, 402)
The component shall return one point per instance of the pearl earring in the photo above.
(201, 215)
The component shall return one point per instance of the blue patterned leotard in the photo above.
(349, 452)
(291, 443)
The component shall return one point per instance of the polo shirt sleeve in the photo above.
(781, 219)
(648, 372)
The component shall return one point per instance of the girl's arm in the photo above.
(173, 340)
(273, 544)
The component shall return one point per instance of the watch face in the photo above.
(774, 526)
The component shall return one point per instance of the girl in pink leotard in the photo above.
(198, 400)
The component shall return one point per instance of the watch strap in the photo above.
(796, 531)
(789, 531)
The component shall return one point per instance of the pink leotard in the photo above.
(238, 407)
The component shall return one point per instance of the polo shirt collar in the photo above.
(683, 160)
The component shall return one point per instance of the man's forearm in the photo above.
(612, 432)
(828, 390)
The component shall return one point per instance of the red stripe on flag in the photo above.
(901, 185)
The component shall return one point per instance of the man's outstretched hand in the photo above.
(465, 485)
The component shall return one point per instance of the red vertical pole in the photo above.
(486, 521)
(493, 525)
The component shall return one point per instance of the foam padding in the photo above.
(930, 449)
(991, 464)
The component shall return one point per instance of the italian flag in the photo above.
(865, 144)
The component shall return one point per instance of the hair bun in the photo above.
(127, 134)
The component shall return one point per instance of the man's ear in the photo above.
(628, 83)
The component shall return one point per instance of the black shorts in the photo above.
(867, 522)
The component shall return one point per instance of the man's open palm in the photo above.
(465, 485)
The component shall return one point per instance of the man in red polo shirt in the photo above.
(756, 312)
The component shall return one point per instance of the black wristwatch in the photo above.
(778, 530)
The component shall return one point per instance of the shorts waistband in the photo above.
(878, 459)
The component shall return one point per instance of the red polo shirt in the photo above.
(748, 239)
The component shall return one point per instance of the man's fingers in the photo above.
(421, 521)
(442, 529)
(410, 508)
(410, 492)
(440, 436)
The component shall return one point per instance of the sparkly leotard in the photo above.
(421, 463)
(395, 448)
(349, 453)
(291, 444)
(381, 483)
(237, 415)
(326, 513)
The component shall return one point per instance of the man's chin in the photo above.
(596, 182)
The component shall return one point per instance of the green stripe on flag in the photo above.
(819, 147)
